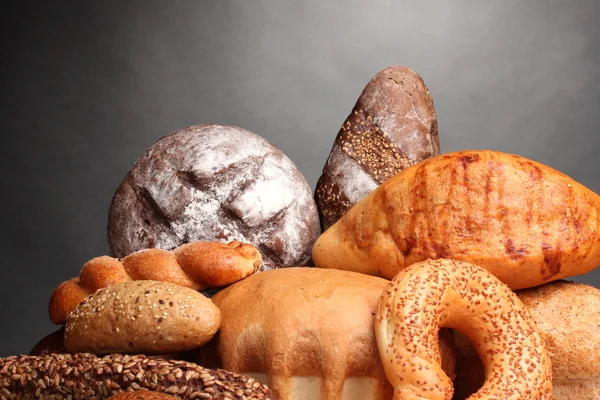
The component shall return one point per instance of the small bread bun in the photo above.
(142, 395)
(142, 316)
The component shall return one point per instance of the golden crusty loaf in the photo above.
(568, 316)
(524, 222)
(142, 395)
(449, 293)
(86, 377)
(197, 265)
(141, 316)
(307, 332)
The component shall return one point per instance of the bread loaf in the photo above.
(141, 317)
(49, 344)
(392, 126)
(524, 222)
(215, 183)
(142, 395)
(85, 377)
(307, 332)
(568, 317)
(197, 265)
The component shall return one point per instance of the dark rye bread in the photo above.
(85, 376)
(392, 126)
(215, 183)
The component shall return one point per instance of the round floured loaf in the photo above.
(568, 317)
(215, 183)
(308, 332)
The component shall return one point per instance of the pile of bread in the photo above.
(409, 275)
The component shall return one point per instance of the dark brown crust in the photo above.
(50, 344)
(85, 376)
(142, 395)
(215, 183)
(392, 126)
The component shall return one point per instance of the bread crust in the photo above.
(196, 265)
(305, 322)
(142, 395)
(141, 317)
(448, 293)
(568, 317)
(85, 376)
(393, 125)
(525, 222)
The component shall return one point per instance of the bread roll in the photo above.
(215, 183)
(308, 332)
(87, 377)
(392, 126)
(568, 317)
(141, 317)
(49, 344)
(524, 222)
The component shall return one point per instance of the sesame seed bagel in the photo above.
(453, 294)
(85, 376)
(141, 317)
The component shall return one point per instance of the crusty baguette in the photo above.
(525, 222)
(85, 376)
(197, 265)
(568, 317)
(141, 317)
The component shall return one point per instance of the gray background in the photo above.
(88, 86)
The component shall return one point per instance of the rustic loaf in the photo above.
(197, 265)
(568, 317)
(525, 222)
(308, 332)
(85, 376)
(392, 126)
(215, 183)
(142, 395)
(141, 317)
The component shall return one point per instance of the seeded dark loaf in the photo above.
(215, 183)
(392, 126)
(85, 376)
(196, 265)
(142, 317)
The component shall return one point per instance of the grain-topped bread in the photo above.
(568, 317)
(215, 183)
(85, 377)
(392, 126)
(142, 317)
(142, 395)
(308, 332)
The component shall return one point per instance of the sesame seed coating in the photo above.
(453, 294)
(85, 376)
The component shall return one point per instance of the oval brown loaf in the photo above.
(215, 183)
(141, 317)
(568, 317)
(525, 222)
(308, 332)
(85, 376)
(392, 126)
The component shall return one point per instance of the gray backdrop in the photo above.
(88, 86)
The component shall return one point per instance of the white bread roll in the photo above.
(568, 317)
(309, 332)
